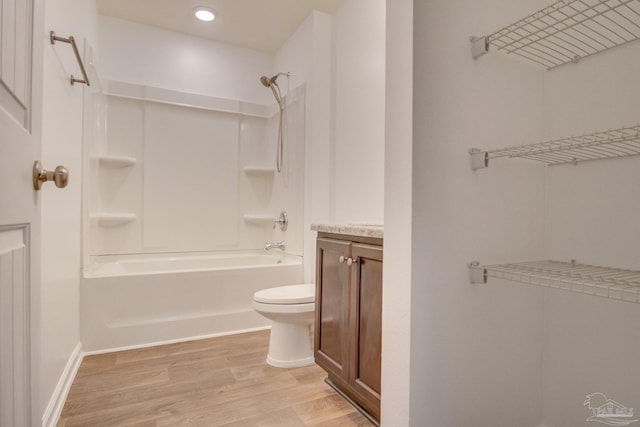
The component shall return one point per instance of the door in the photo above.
(331, 338)
(366, 325)
(20, 106)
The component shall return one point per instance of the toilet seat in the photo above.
(291, 294)
(284, 308)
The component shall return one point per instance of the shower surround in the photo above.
(176, 173)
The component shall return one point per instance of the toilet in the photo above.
(291, 310)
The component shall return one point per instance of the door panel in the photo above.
(20, 127)
(14, 323)
(332, 299)
(366, 324)
(15, 54)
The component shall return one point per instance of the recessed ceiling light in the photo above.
(204, 13)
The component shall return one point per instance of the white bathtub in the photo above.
(134, 301)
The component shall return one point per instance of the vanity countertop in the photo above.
(364, 230)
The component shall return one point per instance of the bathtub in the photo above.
(140, 300)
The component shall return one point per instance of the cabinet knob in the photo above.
(341, 259)
(351, 261)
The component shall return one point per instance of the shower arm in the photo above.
(274, 78)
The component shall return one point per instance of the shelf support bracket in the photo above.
(479, 159)
(477, 274)
(479, 46)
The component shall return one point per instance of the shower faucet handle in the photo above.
(282, 221)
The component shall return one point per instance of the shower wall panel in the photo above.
(119, 189)
(176, 172)
(190, 193)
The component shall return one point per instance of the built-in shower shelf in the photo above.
(613, 283)
(113, 219)
(259, 171)
(259, 219)
(566, 31)
(620, 142)
(116, 162)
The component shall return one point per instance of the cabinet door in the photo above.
(366, 325)
(331, 337)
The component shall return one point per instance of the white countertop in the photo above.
(364, 230)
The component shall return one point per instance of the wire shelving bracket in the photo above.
(621, 142)
(566, 31)
(613, 283)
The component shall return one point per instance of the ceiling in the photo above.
(262, 25)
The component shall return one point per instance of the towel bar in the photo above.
(72, 42)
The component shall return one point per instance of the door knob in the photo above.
(60, 176)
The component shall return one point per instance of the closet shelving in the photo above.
(620, 142)
(605, 282)
(566, 31)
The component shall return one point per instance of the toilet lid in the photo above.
(292, 294)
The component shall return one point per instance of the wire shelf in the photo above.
(567, 31)
(620, 142)
(605, 282)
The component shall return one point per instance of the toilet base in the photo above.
(308, 361)
(290, 345)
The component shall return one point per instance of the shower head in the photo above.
(271, 83)
(267, 82)
(275, 89)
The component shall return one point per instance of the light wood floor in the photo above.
(214, 382)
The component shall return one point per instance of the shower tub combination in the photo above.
(139, 300)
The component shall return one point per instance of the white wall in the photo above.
(307, 56)
(506, 353)
(592, 344)
(396, 309)
(358, 70)
(476, 355)
(61, 229)
(341, 57)
(150, 56)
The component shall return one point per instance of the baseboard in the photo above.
(56, 403)
(175, 341)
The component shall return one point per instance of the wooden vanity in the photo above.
(347, 340)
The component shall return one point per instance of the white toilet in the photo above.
(291, 310)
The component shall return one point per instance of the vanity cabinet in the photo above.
(347, 340)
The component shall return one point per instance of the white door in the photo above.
(20, 106)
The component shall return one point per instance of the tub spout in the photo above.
(269, 246)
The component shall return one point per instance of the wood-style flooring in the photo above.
(221, 381)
